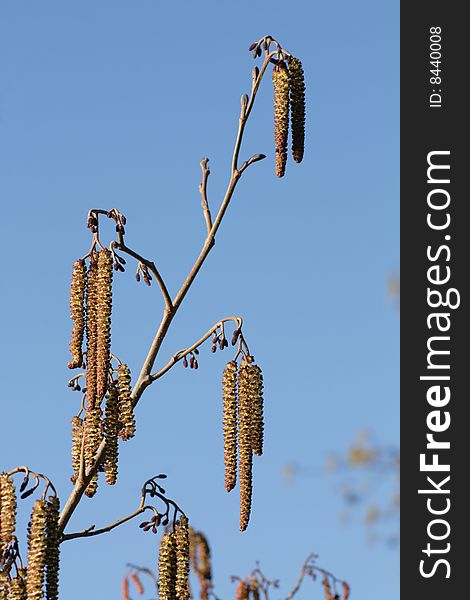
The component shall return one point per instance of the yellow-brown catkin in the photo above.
(53, 552)
(297, 107)
(92, 487)
(7, 510)
(167, 567)
(245, 452)
(4, 585)
(126, 412)
(77, 313)
(103, 317)
(229, 397)
(93, 433)
(182, 559)
(243, 590)
(281, 116)
(91, 330)
(255, 378)
(17, 589)
(37, 548)
(77, 435)
(254, 588)
(111, 426)
(200, 558)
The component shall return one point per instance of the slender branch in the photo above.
(91, 531)
(145, 379)
(151, 265)
(185, 351)
(203, 190)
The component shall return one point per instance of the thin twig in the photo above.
(203, 191)
(91, 531)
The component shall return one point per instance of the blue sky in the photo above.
(114, 104)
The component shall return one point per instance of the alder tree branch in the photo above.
(171, 306)
(203, 190)
(91, 531)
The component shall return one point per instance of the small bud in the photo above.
(185, 362)
(252, 47)
(214, 348)
(123, 219)
(196, 364)
(143, 524)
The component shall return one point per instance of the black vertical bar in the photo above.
(435, 353)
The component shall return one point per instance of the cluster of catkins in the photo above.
(42, 572)
(90, 309)
(242, 394)
(248, 588)
(173, 563)
(289, 96)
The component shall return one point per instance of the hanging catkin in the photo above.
(103, 318)
(243, 590)
(17, 589)
(297, 106)
(126, 412)
(37, 548)
(52, 551)
(167, 567)
(182, 559)
(4, 585)
(7, 510)
(281, 116)
(77, 435)
(91, 331)
(111, 426)
(245, 452)
(77, 313)
(229, 397)
(255, 378)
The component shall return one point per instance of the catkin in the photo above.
(77, 435)
(244, 444)
(243, 590)
(255, 379)
(229, 397)
(167, 567)
(4, 585)
(52, 552)
(111, 426)
(182, 559)
(200, 558)
(17, 589)
(126, 412)
(297, 106)
(37, 548)
(77, 313)
(103, 317)
(91, 330)
(93, 433)
(254, 588)
(281, 116)
(7, 510)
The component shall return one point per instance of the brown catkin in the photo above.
(111, 426)
(7, 510)
(200, 558)
(229, 397)
(245, 452)
(92, 487)
(297, 106)
(77, 435)
(91, 330)
(103, 318)
(281, 116)
(4, 585)
(77, 313)
(243, 590)
(254, 588)
(255, 379)
(53, 552)
(93, 433)
(17, 589)
(182, 559)
(126, 412)
(37, 548)
(167, 567)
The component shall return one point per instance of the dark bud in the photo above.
(214, 348)
(191, 362)
(196, 364)
(24, 483)
(137, 277)
(147, 527)
(147, 280)
(70, 384)
(185, 362)
(158, 520)
(221, 344)
(123, 219)
(258, 51)
(120, 268)
(196, 351)
(27, 493)
(274, 61)
(252, 47)
(115, 266)
(161, 476)
(236, 335)
(109, 214)
(143, 524)
(165, 522)
(265, 45)
(121, 260)
(78, 388)
(255, 73)
(160, 489)
(154, 529)
(224, 343)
